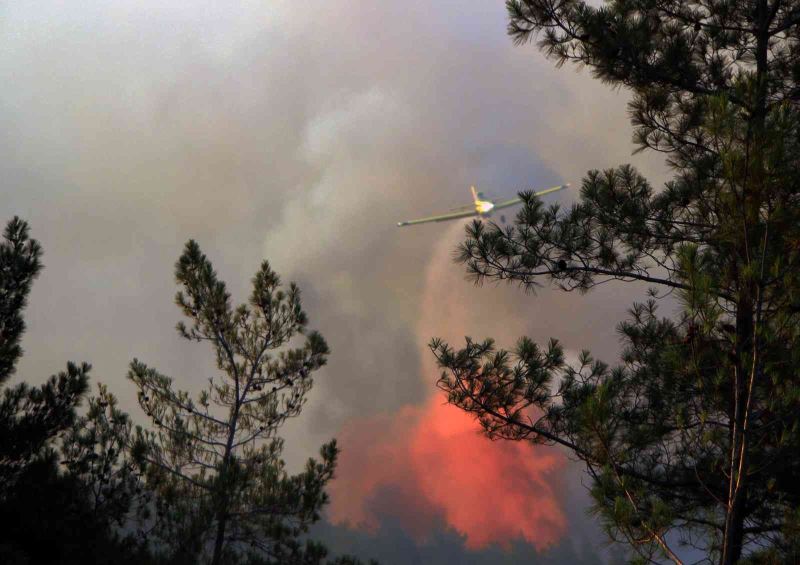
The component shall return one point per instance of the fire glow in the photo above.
(430, 464)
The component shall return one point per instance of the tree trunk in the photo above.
(735, 507)
(746, 344)
(220, 538)
(222, 495)
(734, 528)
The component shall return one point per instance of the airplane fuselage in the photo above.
(483, 207)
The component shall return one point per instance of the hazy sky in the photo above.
(301, 133)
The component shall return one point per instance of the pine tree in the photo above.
(215, 461)
(693, 437)
(68, 512)
(30, 417)
(94, 454)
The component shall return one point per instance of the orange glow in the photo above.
(429, 464)
(438, 465)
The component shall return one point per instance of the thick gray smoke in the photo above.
(296, 132)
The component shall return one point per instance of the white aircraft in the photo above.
(481, 206)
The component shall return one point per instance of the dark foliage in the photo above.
(29, 416)
(19, 265)
(49, 519)
(54, 510)
(223, 494)
(693, 437)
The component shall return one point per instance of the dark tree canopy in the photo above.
(30, 417)
(693, 437)
(20, 264)
(87, 487)
(215, 460)
(66, 486)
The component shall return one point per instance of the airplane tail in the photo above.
(474, 194)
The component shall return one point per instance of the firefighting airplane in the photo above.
(480, 206)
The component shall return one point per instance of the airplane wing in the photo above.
(442, 218)
(507, 203)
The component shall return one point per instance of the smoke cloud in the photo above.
(301, 133)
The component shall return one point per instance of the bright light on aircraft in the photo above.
(480, 207)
